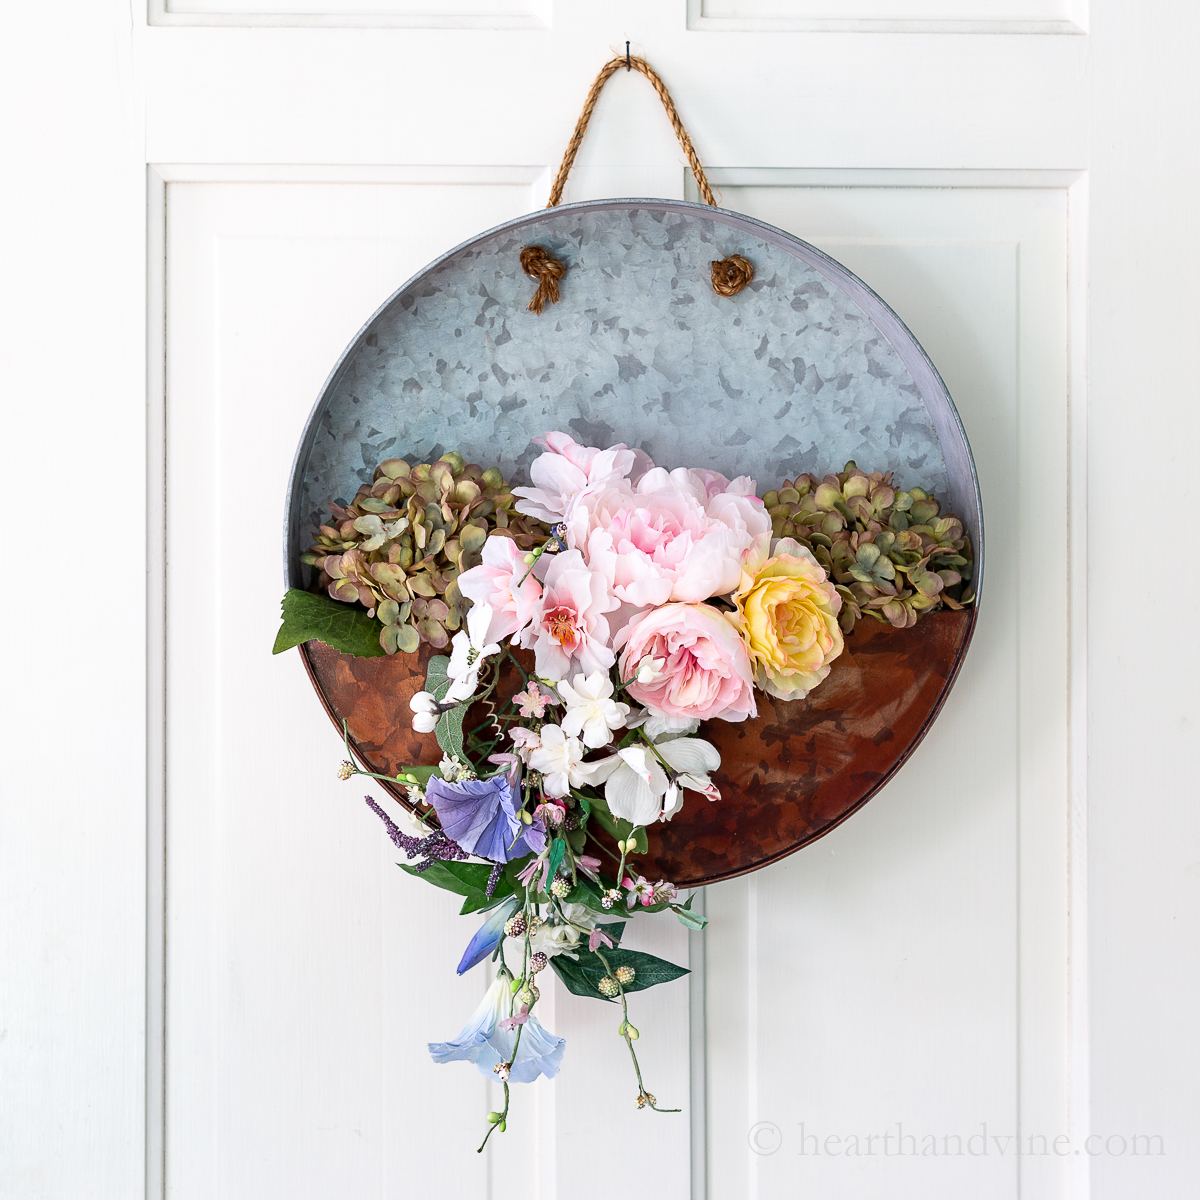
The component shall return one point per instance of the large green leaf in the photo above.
(464, 878)
(309, 616)
(477, 900)
(582, 975)
(449, 729)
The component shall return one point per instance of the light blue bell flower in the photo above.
(489, 934)
(485, 1042)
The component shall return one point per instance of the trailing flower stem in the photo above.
(649, 1099)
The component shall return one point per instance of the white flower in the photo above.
(471, 647)
(560, 759)
(454, 770)
(591, 709)
(563, 939)
(637, 785)
(650, 669)
(425, 712)
(658, 725)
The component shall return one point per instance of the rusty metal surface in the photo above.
(787, 777)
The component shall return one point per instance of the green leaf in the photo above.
(584, 893)
(464, 878)
(692, 921)
(582, 976)
(449, 729)
(437, 681)
(422, 775)
(557, 850)
(478, 900)
(308, 616)
(569, 971)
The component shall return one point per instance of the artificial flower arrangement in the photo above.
(594, 621)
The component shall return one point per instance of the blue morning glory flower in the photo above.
(485, 1042)
(482, 816)
(489, 934)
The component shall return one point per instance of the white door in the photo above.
(217, 986)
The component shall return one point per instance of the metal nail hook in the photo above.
(628, 65)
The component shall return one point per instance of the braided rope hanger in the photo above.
(729, 275)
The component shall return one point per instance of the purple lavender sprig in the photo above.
(436, 847)
(493, 879)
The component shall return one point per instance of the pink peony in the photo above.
(706, 669)
(566, 470)
(497, 581)
(569, 631)
(668, 538)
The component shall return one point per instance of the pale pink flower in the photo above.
(597, 938)
(518, 1019)
(525, 740)
(527, 873)
(665, 891)
(566, 471)
(640, 889)
(706, 668)
(552, 813)
(500, 581)
(532, 701)
(569, 629)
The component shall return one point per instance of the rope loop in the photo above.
(540, 264)
(607, 71)
(729, 275)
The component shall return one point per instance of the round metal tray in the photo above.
(805, 369)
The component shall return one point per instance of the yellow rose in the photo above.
(787, 611)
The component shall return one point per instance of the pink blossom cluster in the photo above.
(642, 551)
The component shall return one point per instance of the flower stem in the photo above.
(602, 846)
(494, 1124)
(629, 1041)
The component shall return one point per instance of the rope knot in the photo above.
(730, 275)
(538, 263)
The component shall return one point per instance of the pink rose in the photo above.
(568, 631)
(705, 672)
(498, 581)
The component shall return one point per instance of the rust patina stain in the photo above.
(787, 777)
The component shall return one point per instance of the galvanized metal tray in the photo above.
(804, 370)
